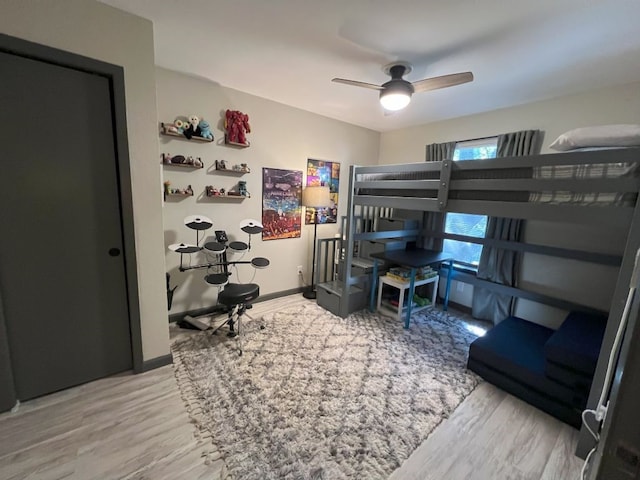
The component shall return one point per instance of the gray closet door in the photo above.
(62, 276)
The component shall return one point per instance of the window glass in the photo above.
(467, 253)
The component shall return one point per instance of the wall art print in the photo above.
(319, 173)
(281, 203)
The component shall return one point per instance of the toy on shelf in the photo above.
(189, 161)
(243, 167)
(214, 192)
(180, 192)
(237, 126)
(242, 188)
(205, 129)
(221, 165)
(193, 127)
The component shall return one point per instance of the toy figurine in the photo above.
(237, 125)
(205, 129)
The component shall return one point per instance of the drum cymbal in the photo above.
(198, 222)
(214, 247)
(260, 262)
(251, 226)
(184, 248)
(238, 246)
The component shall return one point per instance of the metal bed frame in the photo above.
(435, 195)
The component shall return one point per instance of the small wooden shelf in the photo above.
(233, 197)
(235, 144)
(169, 133)
(232, 171)
(177, 195)
(182, 165)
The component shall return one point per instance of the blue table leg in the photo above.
(374, 281)
(448, 287)
(412, 289)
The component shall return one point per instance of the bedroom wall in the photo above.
(104, 33)
(590, 284)
(281, 137)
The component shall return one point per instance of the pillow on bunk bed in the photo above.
(623, 135)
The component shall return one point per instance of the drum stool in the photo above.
(237, 297)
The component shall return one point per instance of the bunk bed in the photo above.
(594, 187)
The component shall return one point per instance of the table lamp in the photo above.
(316, 197)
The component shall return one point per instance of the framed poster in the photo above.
(281, 203)
(321, 173)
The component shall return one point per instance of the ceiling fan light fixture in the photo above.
(394, 101)
(396, 95)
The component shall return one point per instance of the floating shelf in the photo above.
(169, 133)
(177, 195)
(230, 170)
(235, 144)
(234, 197)
(182, 165)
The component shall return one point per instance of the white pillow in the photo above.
(600, 136)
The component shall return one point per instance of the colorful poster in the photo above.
(281, 203)
(319, 173)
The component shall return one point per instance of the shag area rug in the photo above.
(315, 396)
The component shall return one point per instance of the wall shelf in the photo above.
(225, 196)
(169, 133)
(235, 144)
(231, 171)
(192, 166)
(177, 195)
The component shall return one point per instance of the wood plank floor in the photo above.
(137, 427)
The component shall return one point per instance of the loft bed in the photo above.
(593, 187)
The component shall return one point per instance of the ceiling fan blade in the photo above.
(355, 83)
(442, 82)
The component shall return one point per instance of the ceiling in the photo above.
(289, 50)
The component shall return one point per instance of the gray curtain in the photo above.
(497, 265)
(7, 388)
(436, 152)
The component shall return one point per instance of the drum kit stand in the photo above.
(233, 298)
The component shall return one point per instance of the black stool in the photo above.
(236, 297)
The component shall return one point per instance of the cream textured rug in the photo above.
(315, 396)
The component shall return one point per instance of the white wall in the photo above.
(577, 281)
(104, 33)
(281, 137)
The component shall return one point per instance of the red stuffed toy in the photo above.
(237, 125)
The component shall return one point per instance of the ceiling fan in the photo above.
(396, 93)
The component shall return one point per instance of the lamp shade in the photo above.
(396, 95)
(316, 197)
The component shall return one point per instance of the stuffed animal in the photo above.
(179, 124)
(205, 129)
(237, 125)
(191, 129)
(197, 162)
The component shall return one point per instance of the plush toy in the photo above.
(179, 125)
(237, 125)
(242, 189)
(197, 162)
(191, 129)
(205, 129)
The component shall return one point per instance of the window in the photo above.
(467, 253)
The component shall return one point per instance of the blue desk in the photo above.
(412, 259)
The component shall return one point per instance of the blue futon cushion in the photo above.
(515, 349)
(576, 344)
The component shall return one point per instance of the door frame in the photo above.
(115, 76)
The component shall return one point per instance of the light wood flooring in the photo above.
(136, 427)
